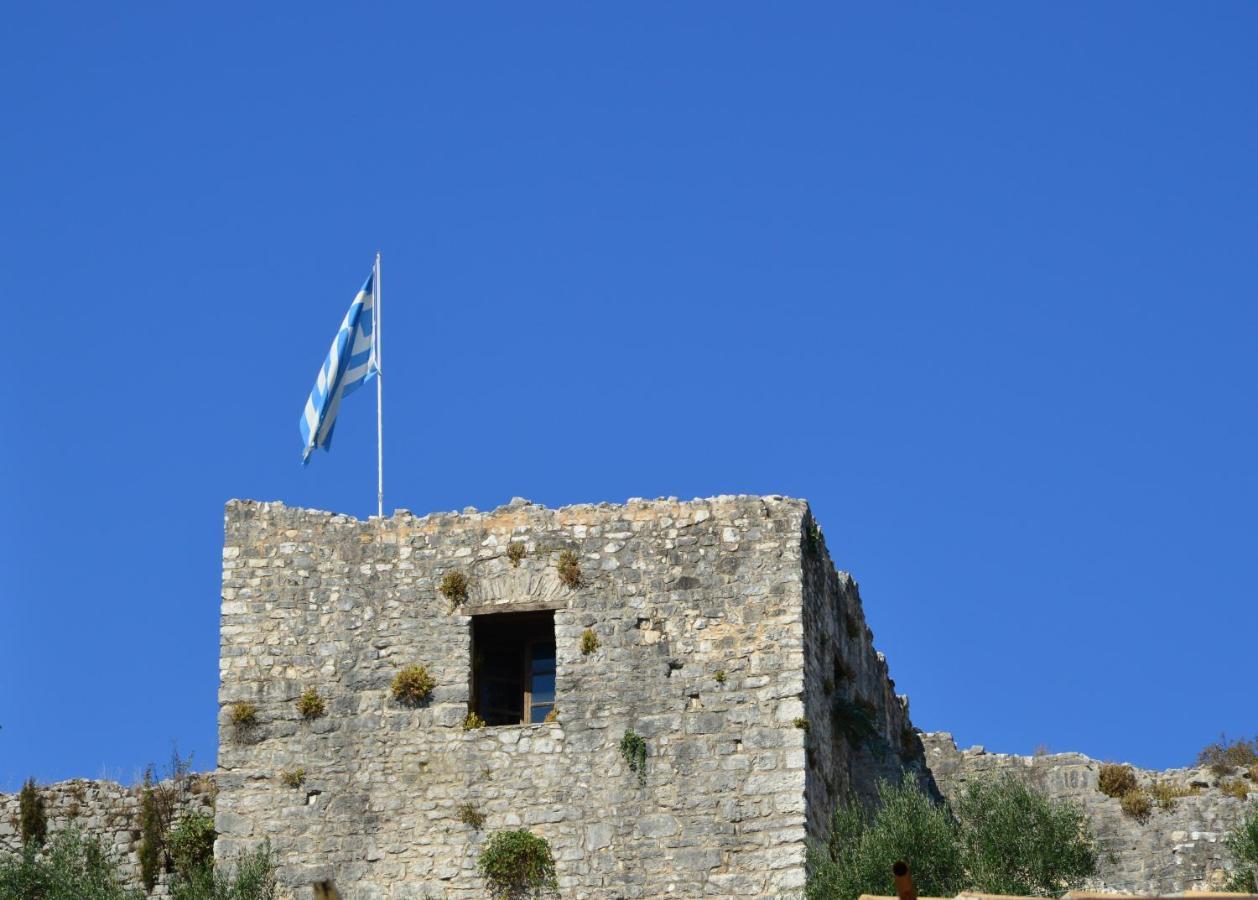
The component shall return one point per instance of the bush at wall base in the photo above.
(518, 865)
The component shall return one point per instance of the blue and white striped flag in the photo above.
(351, 363)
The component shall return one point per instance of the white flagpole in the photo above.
(379, 402)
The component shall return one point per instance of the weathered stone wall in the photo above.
(700, 612)
(107, 811)
(859, 729)
(1175, 850)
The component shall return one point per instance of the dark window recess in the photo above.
(513, 667)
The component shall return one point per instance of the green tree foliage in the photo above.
(1006, 837)
(33, 821)
(1242, 847)
(518, 865)
(252, 877)
(71, 867)
(863, 845)
(152, 850)
(1017, 840)
(191, 843)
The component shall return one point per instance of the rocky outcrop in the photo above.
(1178, 848)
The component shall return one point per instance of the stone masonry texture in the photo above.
(726, 639)
(1177, 849)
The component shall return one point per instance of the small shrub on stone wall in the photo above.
(472, 721)
(1137, 805)
(413, 685)
(518, 864)
(32, 817)
(719, 676)
(1235, 787)
(853, 721)
(1223, 756)
(1115, 780)
(470, 815)
(1165, 792)
(569, 569)
(633, 751)
(293, 778)
(191, 843)
(515, 552)
(589, 642)
(812, 536)
(801, 723)
(454, 588)
(152, 850)
(1242, 847)
(310, 704)
(852, 625)
(244, 714)
(251, 876)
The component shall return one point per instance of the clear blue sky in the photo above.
(977, 279)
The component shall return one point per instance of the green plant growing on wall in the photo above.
(32, 817)
(1242, 846)
(801, 723)
(244, 715)
(569, 569)
(152, 850)
(1137, 805)
(719, 676)
(515, 552)
(472, 721)
(851, 625)
(310, 704)
(1166, 792)
(293, 778)
(518, 865)
(454, 588)
(812, 537)
(251, 876)
(853, 721)
(1235, 787)
(1224, 755)
(413, 685)
(470, 815)
(589, 642)
(633, 751)
(1115, 780)
(191, 843)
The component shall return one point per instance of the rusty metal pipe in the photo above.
(904, 888)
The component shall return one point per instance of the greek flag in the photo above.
(351, 363)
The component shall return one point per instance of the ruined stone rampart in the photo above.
(107, 811)
(1175, 849)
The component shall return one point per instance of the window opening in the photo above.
(513, 667)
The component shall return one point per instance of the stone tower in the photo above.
(724, 638)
